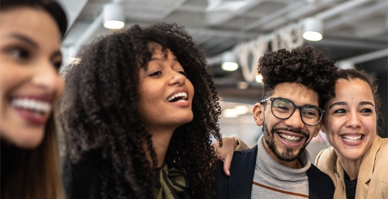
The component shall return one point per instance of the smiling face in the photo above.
(350, 119)
(285, 139)
(30, 83)
(166, 94)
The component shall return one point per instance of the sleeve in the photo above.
(241, 146)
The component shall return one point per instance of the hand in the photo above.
(225, 153)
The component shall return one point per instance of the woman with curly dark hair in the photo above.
(30, 58)
(135, 127)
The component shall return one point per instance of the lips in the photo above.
(32, 105)
(290, 138)
(352, 138)
(34, 111)
(177, 97)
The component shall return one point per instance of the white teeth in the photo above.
(352, 138)
(182, 95)
(290, 138)
(31, 104)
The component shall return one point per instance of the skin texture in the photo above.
(164, 77)
(29, 63)
(351, 113)
(281, 151)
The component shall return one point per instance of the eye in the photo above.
(310, 112)
(156, 73)
(57, 65)
(339, 111)
(19, 53)
(282, 106)
(183, 73)
(366, 110)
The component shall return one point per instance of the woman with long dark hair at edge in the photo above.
(139, 111)
(30, 85)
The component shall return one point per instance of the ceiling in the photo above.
(354, 31)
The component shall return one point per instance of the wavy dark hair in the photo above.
(350, 74)
(100, 111)
(304, 65)
(33, 173)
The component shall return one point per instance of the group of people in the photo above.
(139, 110)
(305, 93)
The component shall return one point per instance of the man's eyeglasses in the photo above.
(283, 109)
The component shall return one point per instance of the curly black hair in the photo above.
(100, 111)
(304, 65)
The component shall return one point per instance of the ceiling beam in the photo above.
(352, 17)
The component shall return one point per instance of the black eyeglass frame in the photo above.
(272, 99)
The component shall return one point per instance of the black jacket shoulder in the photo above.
(82, 179)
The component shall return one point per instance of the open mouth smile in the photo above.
(178, 97)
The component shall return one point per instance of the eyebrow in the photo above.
(344, 103)
(24, 39)
(367, 103)
(337, 103)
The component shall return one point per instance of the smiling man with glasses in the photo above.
(295, 84)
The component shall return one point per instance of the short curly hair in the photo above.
(304, 65)
(100, 110)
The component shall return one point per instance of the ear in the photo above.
(258, 113)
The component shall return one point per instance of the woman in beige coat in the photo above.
(358, 159)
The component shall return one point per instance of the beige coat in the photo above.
(372, 181)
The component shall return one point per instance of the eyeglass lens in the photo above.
(283, 109)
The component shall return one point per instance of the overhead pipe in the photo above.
(350, 62)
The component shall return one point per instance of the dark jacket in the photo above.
(239, 184)
(82, 180)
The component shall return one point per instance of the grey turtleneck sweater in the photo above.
(275, 181)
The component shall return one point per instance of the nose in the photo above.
(295, 121)
(177, 78)
(353, 120)
(47, 77)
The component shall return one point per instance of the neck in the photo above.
(161, 138)
(351, 167)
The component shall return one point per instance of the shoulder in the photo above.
(326, 159)
(82, 179)
(313, 171)
(384, 143)
(382, 154)
(380, 148)
(246, 153)
(320, 184)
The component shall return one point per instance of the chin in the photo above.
(29, 140)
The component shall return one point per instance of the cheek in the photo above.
(371, 125)
(61, 87)
(191, 88)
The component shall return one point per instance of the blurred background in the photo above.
(233, 34)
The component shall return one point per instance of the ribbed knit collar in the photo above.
(266, 164)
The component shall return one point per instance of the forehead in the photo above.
(297, 93)
(353, 89)
(32, 22)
